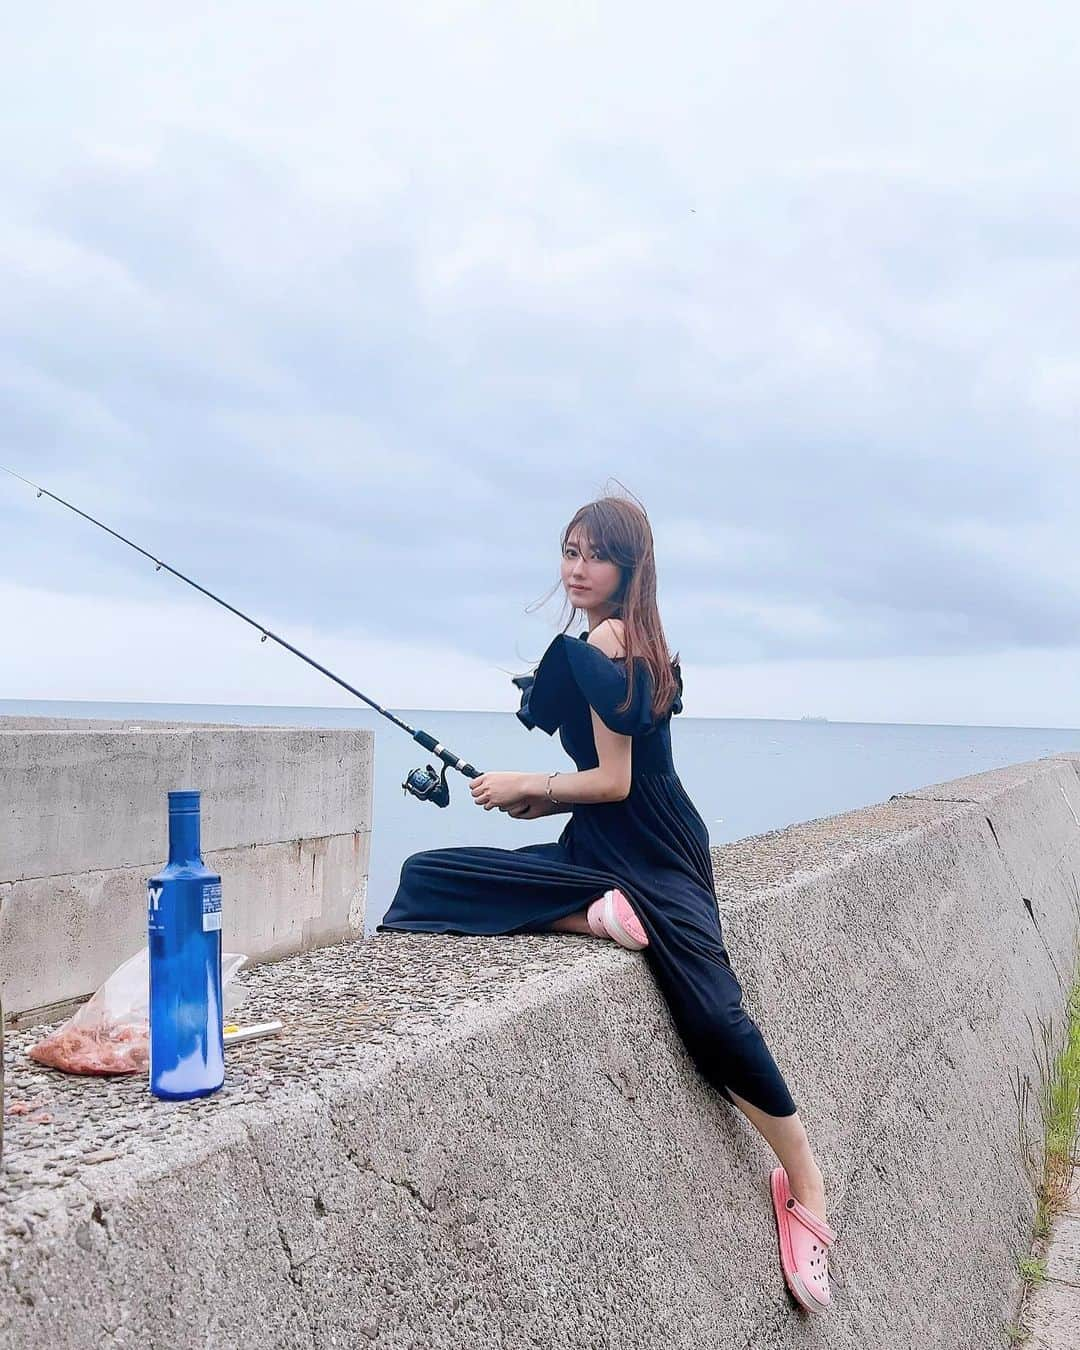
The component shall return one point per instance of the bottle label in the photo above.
(211, 907)
(153, 908)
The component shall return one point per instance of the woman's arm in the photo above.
(525, 796)
(610, 780)
(586, 785)
(569, 789)
(613, 750)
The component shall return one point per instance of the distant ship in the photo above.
(806, 717)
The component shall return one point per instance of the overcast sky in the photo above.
(344, 309)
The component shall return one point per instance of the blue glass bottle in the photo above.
(183, 908)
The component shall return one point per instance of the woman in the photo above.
(632, 863)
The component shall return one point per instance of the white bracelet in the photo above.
(554, 800)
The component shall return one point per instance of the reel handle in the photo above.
(427, 784)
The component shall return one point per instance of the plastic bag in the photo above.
(110, 1032)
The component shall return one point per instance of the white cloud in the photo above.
(175, 651)
(178, 651)
(345, 311)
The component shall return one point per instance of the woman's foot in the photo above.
(613, 916)
(809, 1189)
(804, 1240)
(786, 1135)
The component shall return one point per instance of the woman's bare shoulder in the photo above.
(608, 635)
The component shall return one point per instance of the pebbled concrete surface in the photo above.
(500, 1142)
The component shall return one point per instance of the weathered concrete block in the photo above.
(501, 1142)
(281, 899)
(73, 801)
(84, 820)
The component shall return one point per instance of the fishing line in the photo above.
(425, 783)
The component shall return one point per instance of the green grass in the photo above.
(1050, 1157)
(1032, 1269)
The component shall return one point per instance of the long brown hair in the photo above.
(619, 530)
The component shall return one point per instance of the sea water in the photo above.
(745, 776)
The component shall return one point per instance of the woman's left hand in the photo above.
(499, 789)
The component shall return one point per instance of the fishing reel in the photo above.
(427, 786)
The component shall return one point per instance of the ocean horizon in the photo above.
(746, 776)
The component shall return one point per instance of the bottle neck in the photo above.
(184, 841)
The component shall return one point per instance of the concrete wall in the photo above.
(501, 1142)
(286, 820)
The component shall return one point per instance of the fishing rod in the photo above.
(425, 783)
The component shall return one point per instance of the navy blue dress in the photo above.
(653, 845)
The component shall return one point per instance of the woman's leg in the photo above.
(573, 923)
(693, 968)
(786, 1136)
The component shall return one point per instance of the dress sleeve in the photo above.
(572, 669)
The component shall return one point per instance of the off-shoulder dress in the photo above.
(653, 845)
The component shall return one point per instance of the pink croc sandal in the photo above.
(613, 916)
(804, 1243)
(594, 919)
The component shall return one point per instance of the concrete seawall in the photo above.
(501, 1142)
(83, 823)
